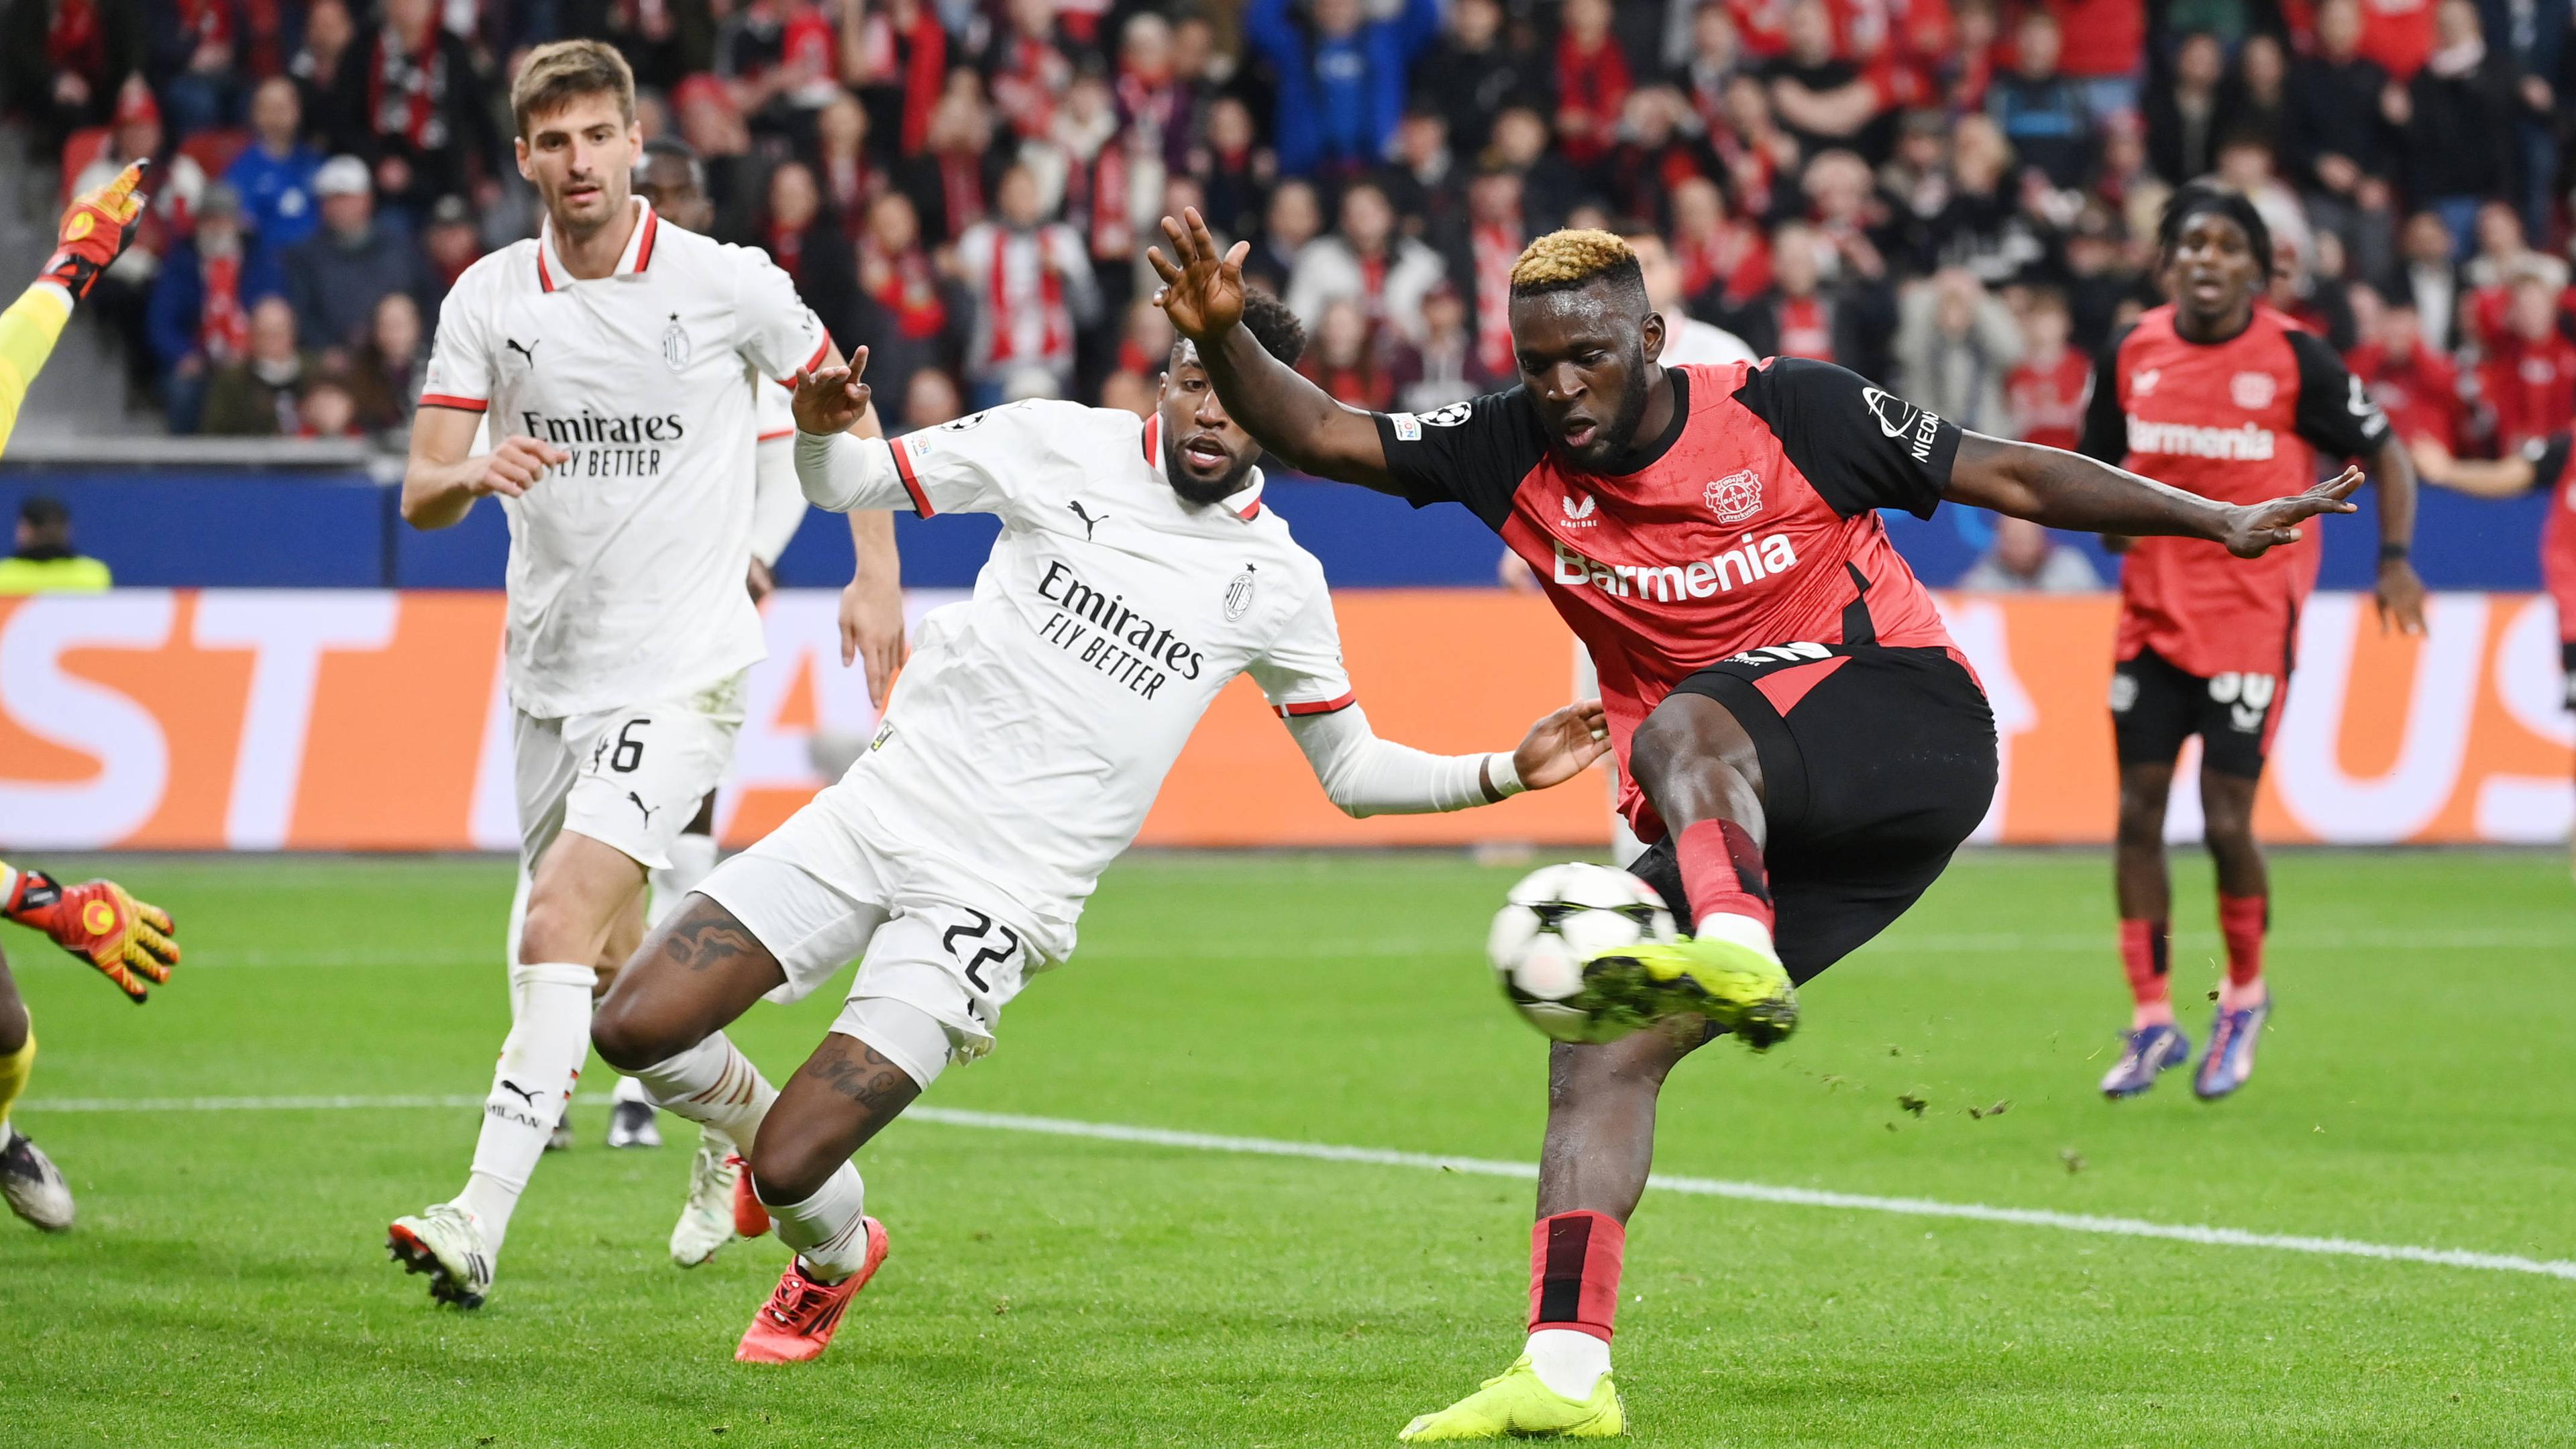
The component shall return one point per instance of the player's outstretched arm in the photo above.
(440, 483)
(96, 228)
(129, 941)
(1202, 293)
(2509, 477)
(2067, 490)
(1364, 775)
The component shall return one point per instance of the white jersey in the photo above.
(1032, 729)
(1691, 341)
(626, 561)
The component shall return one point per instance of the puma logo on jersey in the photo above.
(1088, 522)
(529, 351)
(640, 805)
(1757, 559)
(524, 1094)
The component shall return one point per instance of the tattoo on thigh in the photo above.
(867, 1077)
(702, 942)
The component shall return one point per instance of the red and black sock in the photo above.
(2243, 920)
(1574, 1272)
(1722, 872)
(2144, 953)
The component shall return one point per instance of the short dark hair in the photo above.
(1568, 261)
(2199, 196)
(1274, 326)
(672, 148)
(43, 512)
(559, 71)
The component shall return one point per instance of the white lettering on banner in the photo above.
(2433, 744)
(2537, 809)
(1979, 628)
(87, 718)
(492, 820)
(287, 632)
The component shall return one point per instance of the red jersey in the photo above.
(2419, 392)
(2239, 421)
(2550, 474)
(1752, 521)
(2531, 386)
(2046, 400)
(2398, 35)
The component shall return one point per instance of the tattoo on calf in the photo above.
(867, 1077)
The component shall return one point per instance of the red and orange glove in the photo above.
(98, 922)
(95, 230)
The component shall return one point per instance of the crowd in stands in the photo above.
(1956, 197)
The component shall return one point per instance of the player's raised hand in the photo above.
(1202, 292)
(511, 469)
(1563, 745)
(2256, 529)
(831, 399)
(98, 225)
(127, 940)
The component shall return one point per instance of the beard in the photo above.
(1191, 488)
(1618, 436)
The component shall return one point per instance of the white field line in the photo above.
(1479, 1167)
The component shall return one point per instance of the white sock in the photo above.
(692, 857)
(540, 1060)
(826, 1230)
(1741, 930)
(1568, 1360)
(715, 1085)
(629, 1090)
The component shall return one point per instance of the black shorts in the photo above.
(2155, 706)
(2567, 662)
(1876, 765)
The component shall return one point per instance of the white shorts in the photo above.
(630, 779)
(826, 888)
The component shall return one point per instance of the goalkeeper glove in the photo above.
(98, 922)
(95, 231)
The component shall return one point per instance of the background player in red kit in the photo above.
(2538, 466)
(2228, 399)
(1804, 744)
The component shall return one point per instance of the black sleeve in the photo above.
(1860, 447)
(2335, 410)
(2548, 458)
(1475, 453)
(2106, 431)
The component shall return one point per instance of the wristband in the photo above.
(2393, 552)
(1502, 776)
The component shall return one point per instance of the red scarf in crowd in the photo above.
(915, 58)
(1026, 84)
(961, 187)
(223, 334)
(1806, 329)
(1496, 249)
(1593, 84)
(1007, 307)
(851, 183)
(908, 291)
(405, 88)
(786, 248)
(1096, 193)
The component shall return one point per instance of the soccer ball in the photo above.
(1552, 921)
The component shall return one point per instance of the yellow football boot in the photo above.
(1514, 1404)
(1737, 984)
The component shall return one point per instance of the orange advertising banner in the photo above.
(326, 720)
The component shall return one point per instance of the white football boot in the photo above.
(707, 1221)
(444, 1242)
(34, 1186)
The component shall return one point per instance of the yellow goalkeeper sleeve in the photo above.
(27, 334)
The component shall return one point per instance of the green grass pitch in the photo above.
(227, 1283)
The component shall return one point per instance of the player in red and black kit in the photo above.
(2540, 465)
(2221, 396)
(1804, 745)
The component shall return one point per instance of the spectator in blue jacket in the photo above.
(274, 174)
(2041, 111)
(1341, 78)
(199, 315)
